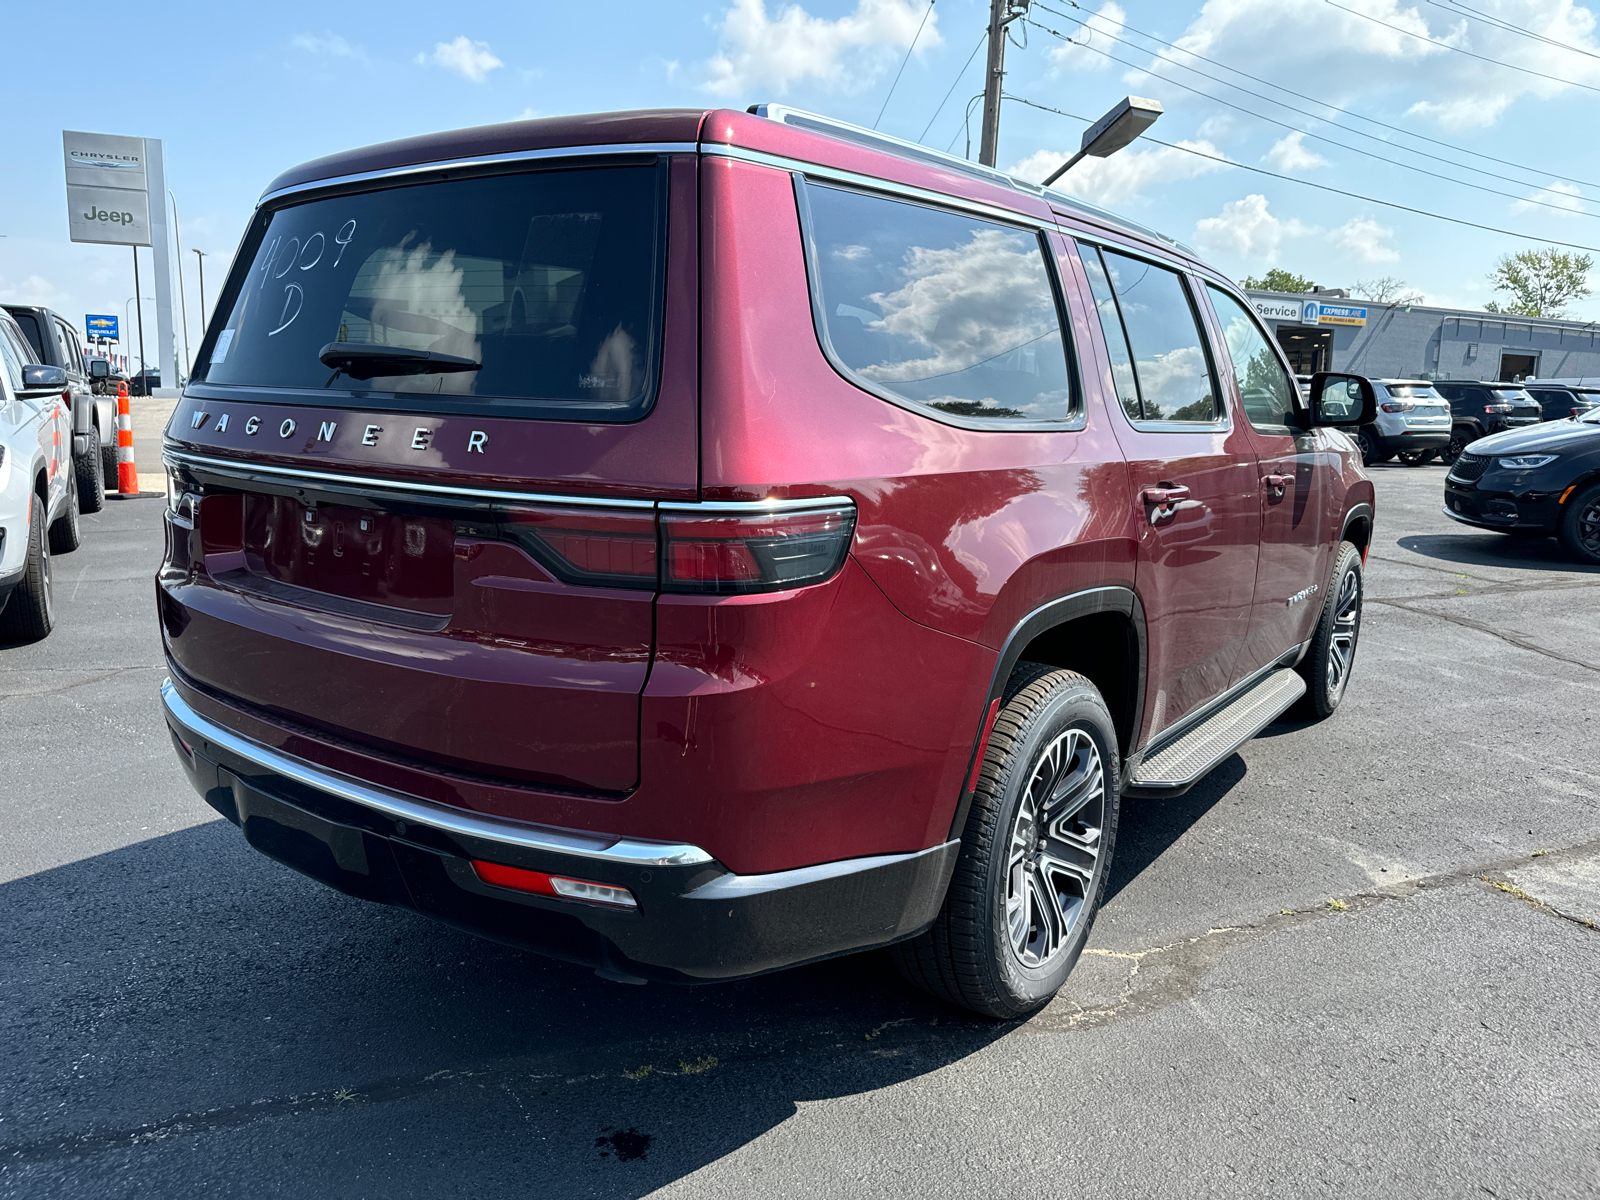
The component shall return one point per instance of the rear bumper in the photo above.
(696, 921)
(1402, 440)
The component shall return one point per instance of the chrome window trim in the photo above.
(483, 160)
(603, 847)
(238, 469)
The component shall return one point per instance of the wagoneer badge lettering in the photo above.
(1301, 595)
(421, 437)
(253, 424)
(222, 423)
(326, 431)
(369, 436)
(198, 420)
(286, 428)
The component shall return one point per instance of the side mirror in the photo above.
(99, 368)
(1342, 400)
(40, 378)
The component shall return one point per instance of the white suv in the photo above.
(1412, 421)
(38, 488)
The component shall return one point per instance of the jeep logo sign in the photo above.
(108, 200)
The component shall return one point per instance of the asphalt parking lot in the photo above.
(1359, 959)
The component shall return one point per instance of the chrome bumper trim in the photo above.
(622, 851)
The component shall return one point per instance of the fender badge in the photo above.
(1301, 595)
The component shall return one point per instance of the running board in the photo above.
(1176, 767)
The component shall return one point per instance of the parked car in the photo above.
(1412, 421)
(1479, 409)
(1565, 400)
(38, 487)
(53, 342)
(686, 543)
(1540, 481)
(144, 383)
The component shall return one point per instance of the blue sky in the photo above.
(238, 96)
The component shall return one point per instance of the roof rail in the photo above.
(888, 142)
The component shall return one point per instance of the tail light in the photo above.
(721, 549)
(598, 547)
(707, 548)
(1397, 406)
(1498, 408)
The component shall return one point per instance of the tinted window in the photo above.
(1409, 391)
(1264, 387)
(69, 359)
(947, 311)
(15, 353)
(1111, 324)
(550, 280)
(29, 324)
(1169, 358)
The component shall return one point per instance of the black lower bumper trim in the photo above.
(694, 923)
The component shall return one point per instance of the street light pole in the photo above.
(1126, 120)
(138, 307)
(1001, 14)
(183, 305)
(126, 319)
(200, 257)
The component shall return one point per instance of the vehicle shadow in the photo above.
(186, 1013)
(1491, 549)
(1146, 829)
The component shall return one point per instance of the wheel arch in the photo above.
(1098, 632)
(1357, 528)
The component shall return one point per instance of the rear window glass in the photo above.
(947, 311)
(1512, 394)
(1170, 363)
(536, 289)
(1403, 392)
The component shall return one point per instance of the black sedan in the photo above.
(1541, 479)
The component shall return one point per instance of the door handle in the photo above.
(1166, 495)
(1277, 483)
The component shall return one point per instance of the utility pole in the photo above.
(200, 256)
(1001, 14)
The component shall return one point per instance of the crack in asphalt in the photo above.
(1511, 638)
(95, 677)
(1158, 977)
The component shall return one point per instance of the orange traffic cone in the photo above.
(127, 473)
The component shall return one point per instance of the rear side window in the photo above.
(1265, 389)
(533, 291)
(14, 352)
(1170, 367)
(29, 324)
(937, 309)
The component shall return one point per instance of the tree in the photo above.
(1278, 280)
(1541, 281)
(1386, 289)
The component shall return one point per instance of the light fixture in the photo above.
(1130, 117)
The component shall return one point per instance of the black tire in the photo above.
(65, 536)
(1580, 524)
(29, 612)
(1460, 439)
(90, 469)
(1014, 924)
(1417, 458)
(1331, 656)
(108, 463)
(1369, 447)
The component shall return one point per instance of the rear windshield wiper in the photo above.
(364, 360)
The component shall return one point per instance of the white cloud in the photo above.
(1352, 58)
(1366, 240)
(1289, 154)
(527, 114)
(467, 58)
(1110, 181)
(1246, 230)
(327, 45)
(1079, 54)
(1567, 198)
(848, 54)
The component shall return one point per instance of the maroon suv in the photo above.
(695, 543)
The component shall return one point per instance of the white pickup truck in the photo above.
(38, 487)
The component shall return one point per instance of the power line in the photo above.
(1566, 208)
(1497, 23)
(915, 38)
(981, 39)
(1322, 187)
(1325, 104)
(1447, 46)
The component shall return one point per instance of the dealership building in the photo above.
(1327, 330)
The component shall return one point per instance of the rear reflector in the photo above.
(520, 879)
(753, 550)
(607, 548)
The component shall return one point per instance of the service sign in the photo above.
(1342, 314)
(101, 325)
(1277, 310)
(104, 160)
(114, 216)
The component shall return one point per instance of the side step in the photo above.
(1174, 768)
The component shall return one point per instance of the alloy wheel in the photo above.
(1589, 527)
(1346, 625)
(1055, 848)
(47, 577)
